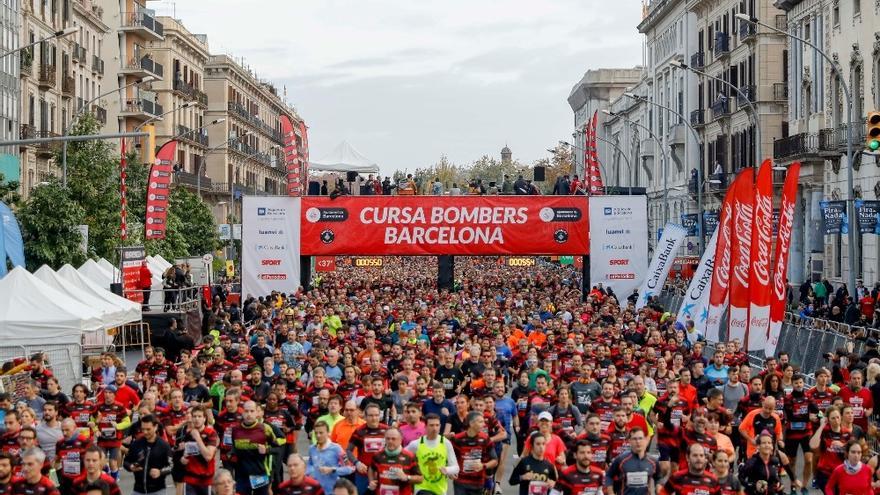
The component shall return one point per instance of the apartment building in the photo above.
(180, 59)
(129, 59)
(846, 30)
(58, 78)
(249, 157)
(10, 34)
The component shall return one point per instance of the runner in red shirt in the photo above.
(394, 470)
(199, 443)
(582, 477)
(94, 462)
(32, 481)
(79, 409)
(694, 480)
(859, 398)
(111, 419)
(369, 440)
(475, 454)
(299, 483)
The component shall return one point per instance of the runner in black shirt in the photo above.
(533, 474)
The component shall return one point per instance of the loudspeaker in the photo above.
(351, 176)
(116, 289)
(314, 188)
(539, 174)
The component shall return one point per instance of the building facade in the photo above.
(248, 155)
(846, 30)
(10, 92)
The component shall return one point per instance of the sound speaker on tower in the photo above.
(539, 174)
(351, 176)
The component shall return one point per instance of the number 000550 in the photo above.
(368, 262)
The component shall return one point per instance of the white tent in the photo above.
(92, 271)
(162, 261)
(344, 158)
(33, 312)
(122, 310)
(109, 268)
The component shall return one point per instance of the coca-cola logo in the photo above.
(737, 323)
(764, 206)
(743, 225)
(785, 220)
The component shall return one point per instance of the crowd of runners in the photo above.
(377, 382)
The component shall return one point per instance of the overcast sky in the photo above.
(405, 81)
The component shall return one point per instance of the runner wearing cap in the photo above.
(554, 450)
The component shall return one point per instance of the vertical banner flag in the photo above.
(689, 221)
(783, 246)
(158, 191)
(291, 158)
(618, 241)
(10, 239)
(761, 246)
(123, 210)
(741, 250)
(868, 215)
(270, 244)
(305, 155)
(695, 305)
(664, 254)
(594, 183)
(721, 274)
(834, 217)
(710, 221)
(130, 261)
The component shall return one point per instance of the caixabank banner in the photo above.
(440, 225)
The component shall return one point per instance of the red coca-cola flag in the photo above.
(158, 192)
(291, 158)
(718, 293)
(761, 246)
(783, 248)
(740, 252)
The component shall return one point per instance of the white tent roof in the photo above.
(344, 158)
(93, 271)
(162, 261)
(109, 268)
(31, 310)
(122, 310)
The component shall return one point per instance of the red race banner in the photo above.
(131, 259)
(783, 248)
(158, 192)
(762, 240)
(325, 263)
(438, 225)
(721, 271)
(291, 158)
(740, 247)
(594, 175)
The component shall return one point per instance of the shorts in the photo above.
(178, 471)
(791, 447)
(668, 453)
(112, 452)
(197, 490)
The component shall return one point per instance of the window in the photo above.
(835, 15)
(857, 8)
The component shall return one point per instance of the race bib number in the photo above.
(373, 445)
(191, 449)
(472, 462)
(227, 437)
(539, 488)
(108, 432)
(258, 481)
(798, 426)
(636, 480)
(71, 465)
(389, 490)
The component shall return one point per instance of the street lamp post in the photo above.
(57, 34)
(212, 150)
(616, 147)
(644, 99)
(749, 103)
(663, 154)
(849, 138)
(80, 112)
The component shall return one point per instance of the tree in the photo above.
(9, 191)
(49, 223)
(195, 223)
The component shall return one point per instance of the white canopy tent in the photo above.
(119, 310)
(108, 267)
(162, 261)
(344, 158)
(93, 271)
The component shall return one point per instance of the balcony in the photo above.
(100, 113)
(78, 54)
(97, 65)
(698, 60)
(68, 86)
(220, 187)
(144, 25)
(26, 63)
(27, 131)
(141, 108)
(747, 31)
(720, 107)
(796, 145)
(47, 149)
(836, 140)
(782, 22)
(780, 92)
(47, 76)
(722, 44)
(192, 180)
(143, 67)
(698, 117)
(747, 94)
(191, 135)
(240, 112)
(189, 92)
